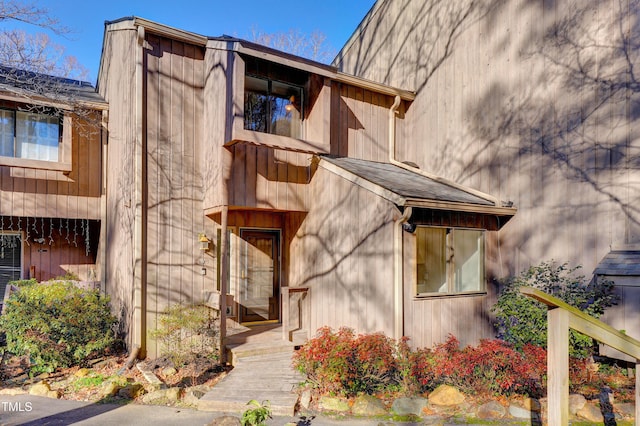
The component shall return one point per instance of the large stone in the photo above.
(131, 391)
(83, 372)
(591, 413)
(329, 403)
(368, 405)
(40, 389)
(12, 391)
(110, 388)
(519, 412)
(169, 371)
(446, 395)
(192, 396)
(576, 403)
(173, 394)
(626, 409)
(491, 410)
(532, 404)
(406, 406)
(225, 421)
(305, 399)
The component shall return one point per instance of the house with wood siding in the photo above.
(535, 102)
(270, 187)
(51, 182)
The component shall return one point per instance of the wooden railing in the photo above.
(561, 317)
(301, 314)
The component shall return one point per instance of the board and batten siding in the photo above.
(343, 253)
(530, 103)
(117, 85)
(174, 73)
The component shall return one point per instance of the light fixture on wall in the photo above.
(409, 227)
(204, 242)
(290, 106)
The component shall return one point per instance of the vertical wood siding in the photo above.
(174, 84)
(529, 101)
(117, 85)
(342, 252)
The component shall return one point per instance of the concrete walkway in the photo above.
(262, 371)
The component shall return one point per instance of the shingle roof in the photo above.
(406, 184)
(59, 89)
(620, 263)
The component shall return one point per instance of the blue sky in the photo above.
(337, 19)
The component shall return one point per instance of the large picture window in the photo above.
(30, 135)
(449, 261)
(272, 107)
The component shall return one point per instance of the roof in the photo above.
(620, 263)
(408, 188)
(47, 87)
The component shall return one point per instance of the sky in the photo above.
(337, 19)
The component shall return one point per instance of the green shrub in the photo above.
(187, 331)
(521, 320)
(257, 414)
(57, 324)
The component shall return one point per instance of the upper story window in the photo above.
(272, 106)
(449, 261)
(30, 135)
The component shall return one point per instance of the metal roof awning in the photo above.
(411, 189)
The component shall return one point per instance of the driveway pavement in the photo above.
(33, 410)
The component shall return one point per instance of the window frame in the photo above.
(63, 163)
(450, 268)
(270, 82)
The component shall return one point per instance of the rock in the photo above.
(225, 421)
(576, 403)
(169, 371)
(12, 391)
(626, 409)
(446, 395)
(83, 372)
(532, 404)
(40, 389)
(491, 410)
(406, 406)
(110, 388)
(305, 399)
(192, 396)
(173, 394)
(591, 413)
(131, 391)
(329, 403)
(55, 394)
(515, 410)
(368, 405)
(42, 376)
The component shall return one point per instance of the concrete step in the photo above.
(257, 348)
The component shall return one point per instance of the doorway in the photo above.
(259, 284)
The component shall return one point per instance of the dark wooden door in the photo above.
(259, 275)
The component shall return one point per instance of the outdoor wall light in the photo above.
(409, 227)
(204, 242)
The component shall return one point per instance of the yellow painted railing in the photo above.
(561, 317)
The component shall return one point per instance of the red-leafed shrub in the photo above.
(343, 363)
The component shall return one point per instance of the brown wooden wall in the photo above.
(174, 81)
(48, 193)
(359, 123)
(118, 86)
(268, 178)
(528, 101)
(343, 252)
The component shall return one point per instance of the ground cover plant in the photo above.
(57, 324)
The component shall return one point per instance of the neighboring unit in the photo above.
(51, 185)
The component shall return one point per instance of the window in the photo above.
(272, 106)
(449, 261)
(30, 135)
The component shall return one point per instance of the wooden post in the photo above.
(558, 367)
(284, 293)
(637, 419)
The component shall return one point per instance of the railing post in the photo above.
(637, 418)
(558, 367)
(284, 291)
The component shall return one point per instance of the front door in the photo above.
(259, 275)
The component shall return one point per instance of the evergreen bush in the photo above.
(57, 324)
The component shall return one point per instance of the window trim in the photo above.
(64, 163)
(270, 82)
(448, 273)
